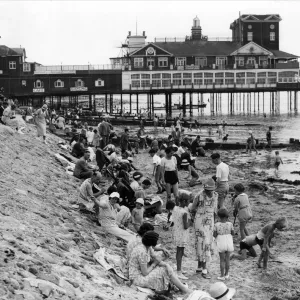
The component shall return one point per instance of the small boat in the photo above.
(180, 106)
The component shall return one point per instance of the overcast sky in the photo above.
(82, 32)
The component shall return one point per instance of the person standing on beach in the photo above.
(251, 143)
(278, 161)
(269, 138)
(104, 131)
(222, 176)
(124, 140)
(40, 117)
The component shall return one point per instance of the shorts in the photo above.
(171, 177)
(277, 163)
(258, 241)
(244, 245)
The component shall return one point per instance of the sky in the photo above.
(90, 32)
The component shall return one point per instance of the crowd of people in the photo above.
(121, 209)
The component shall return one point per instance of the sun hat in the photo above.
(199, 295)
(140, 201)
(220, 291)
(137, 175)
(184, 162)
(129, 158)
(209, 185)
(45, 106)
(114, 195)
(250, 131)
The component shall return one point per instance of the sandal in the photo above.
(199, 270)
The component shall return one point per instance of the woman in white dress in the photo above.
(40, 117)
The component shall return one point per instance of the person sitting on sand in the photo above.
(78, 148)
(82, 169)
(135, 185)
(108, 216)
(263, 239)
(86, 194)
(159, 252)
(196, 147)
(138, 213)
(188, 164)
(156, 276)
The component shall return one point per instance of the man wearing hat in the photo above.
(187, 163)
(136, 178)
(109, 216)
(220, 291)
(40, 117)
(204, 208)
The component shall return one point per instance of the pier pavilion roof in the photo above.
(200, 48)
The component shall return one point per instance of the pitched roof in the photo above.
(261, 17)
(20, 51)
(6, 51)
(282, 54)
(199, 48)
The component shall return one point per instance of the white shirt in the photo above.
(156, 160)
(169, 164)
(222, 171)
(135, 185)
(90, 136)
(180, 151)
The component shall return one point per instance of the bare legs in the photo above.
(243, 230)
(265, 257)
(179, 255)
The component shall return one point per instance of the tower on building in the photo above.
(196, 29)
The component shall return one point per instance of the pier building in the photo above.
(247, 64)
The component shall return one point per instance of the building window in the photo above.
(166, 83)
(26, 67)
(145, 76)
(12, 65)
(135, 83)
(201, 61)
(198, 81)
(176, 81)
(249, 36)
(79, 82)
(221, 61)
(99, 82)
(272, 36)
(239, 61)
(180, 61)
(263, 61)
(187, 81)
(38, 84)
(156, 83)
(150, 62)
(135, 76)
(138, 62)
(145, 83)
(58, 83)
(23, 82)
(156, 76)
(166, 75)
(251, 61)
(162, 61)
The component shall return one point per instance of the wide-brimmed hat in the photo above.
(250, 131)
(209, 185)
(220, 291)
(184, 162)
(137, 175)
(140, 201)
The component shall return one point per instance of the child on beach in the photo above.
(223, 232)
(242, 209)
(263, 239)
(180, 230)
(90, 136)
(278, 161)
(137, 214)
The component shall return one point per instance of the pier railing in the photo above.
(188, 38)
(74, 68)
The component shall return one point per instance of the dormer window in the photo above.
(138, 62)
(150, 62)
(58, 83)
(79, 83)
(162, 61)
(38, 84)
